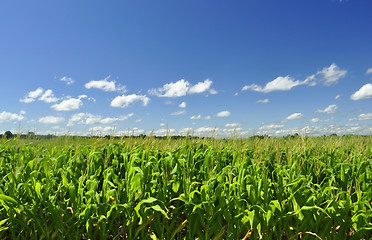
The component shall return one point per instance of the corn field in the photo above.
(256, 188)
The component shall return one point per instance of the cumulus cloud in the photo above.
(201, 87)
(369, 71)
(363, 116)
(48, 97)
(315, 120)
(178, 113)
(67, 80)
(88, 118)
(196, 117)
(327, 76)
(124, 101)
(132, 132)
(270, 127)
(279, 84)
(177, 89)
(182, 105)
(364, 92)
(263, 101)
(102, 130)
(32, 95)
(68, 105)
(165, 132)
(105, 85)
(232, 125)
(223, 114)
(109, 120)
(182, 88)
(206, 131)
(337, 96)
(330, 109)
(295, 116)
(51, 120)
(7, 116)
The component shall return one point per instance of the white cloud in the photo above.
(223, 114)
(51, 120)
(271, 127)
(7, 116)
(330, 109)
(105, 85)
(93, 119)
(337, 96)
(328, 76)
(212, 91)
(363, 116)
(295, 116)
(48, 97)
(67, 80)
(75, 119)
(88, 118)
(207, 131)
(32, 95)
(102, 131)
(279, 84)
(182, 105)
(315, 120)
(369, 70)
(182, 88)
(232, 125)
(164, 132)
(68, 105)
(363, 93)
(177, 89)
(131, 132)
(263, 101)
(109, 120)
(200, 117)
(124, 101)
(201, 87)
(138, 120)
(178, 113)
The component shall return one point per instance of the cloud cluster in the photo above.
(327, 76)
(88, 118)
(363, 116)
(40, 95)
(196, 117)
(182, 88)
(67, 80)
(7, 116)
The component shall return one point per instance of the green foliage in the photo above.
(146, 188)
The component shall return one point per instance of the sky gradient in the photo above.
(172, 67)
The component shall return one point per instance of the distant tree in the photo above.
(8, 135)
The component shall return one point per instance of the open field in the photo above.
(148, 188)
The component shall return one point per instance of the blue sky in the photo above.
(207, 67)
